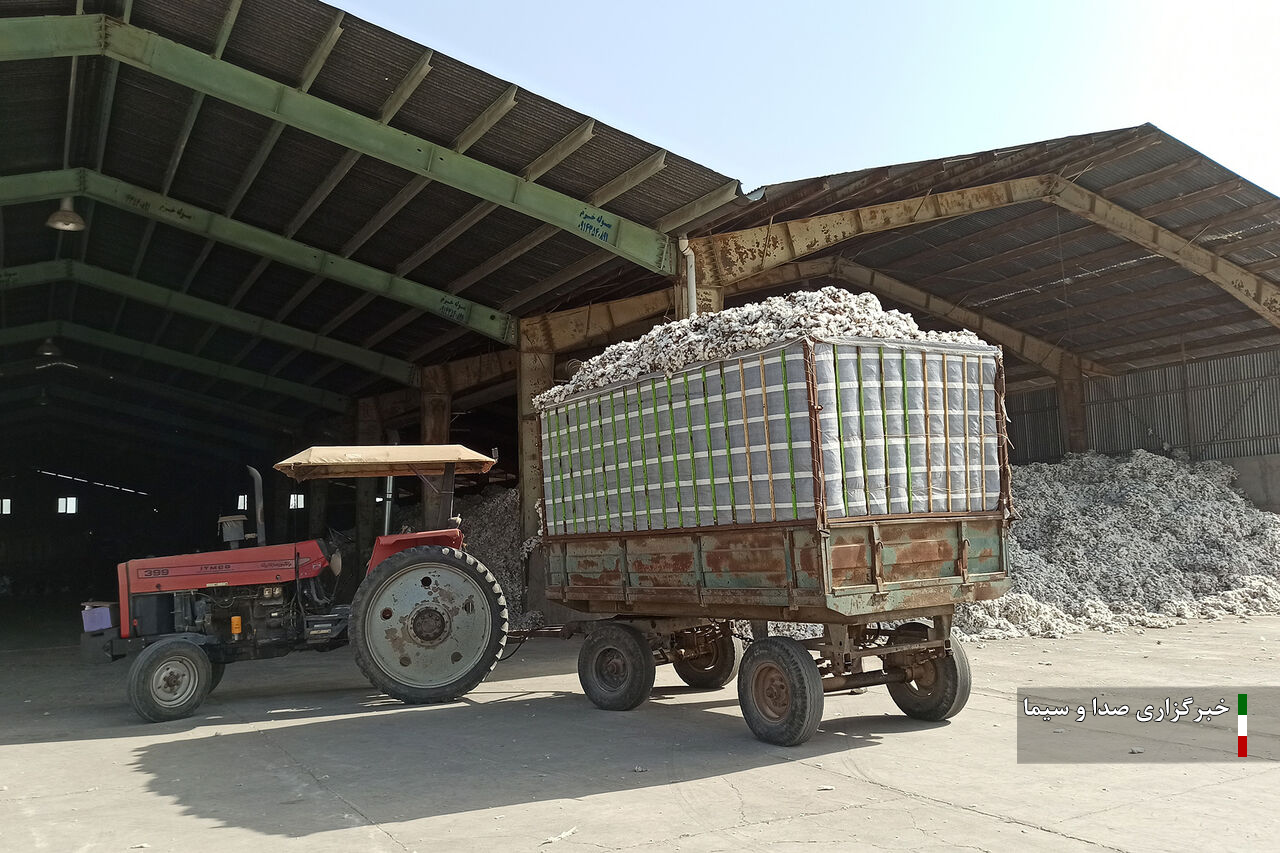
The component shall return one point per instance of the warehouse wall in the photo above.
(1222, 408)
(1260, 479)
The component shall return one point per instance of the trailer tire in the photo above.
(616, 667)
(780, 691)
(428, 624)
(714, 669)
(944, 690)
(169, 680)
(216, 671)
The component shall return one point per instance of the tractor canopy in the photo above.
(424, 460)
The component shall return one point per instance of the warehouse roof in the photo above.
(1055, 275)
(237, 248)
(288, 207)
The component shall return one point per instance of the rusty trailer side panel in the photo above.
(793, 571)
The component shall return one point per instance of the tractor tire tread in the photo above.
(138, 681)
(408, 694)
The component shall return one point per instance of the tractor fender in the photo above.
(386, 546)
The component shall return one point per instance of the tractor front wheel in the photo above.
(169, 680)
(428, 624)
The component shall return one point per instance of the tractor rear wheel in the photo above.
(428, 624)
(168, 680)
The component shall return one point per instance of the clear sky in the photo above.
(789, 89)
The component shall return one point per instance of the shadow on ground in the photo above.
(398, 764)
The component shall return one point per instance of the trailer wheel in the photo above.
(780, 691)
(714, 669)
(616, 667)
(168, 680)
(215, 677)
(428, 624)
(941, 687)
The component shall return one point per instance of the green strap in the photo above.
(553, 446)
(644, 454)
(728, 443)
(862, 435)
(906, 429)
(791, 452)
(631, 465)
(583, 447)
(884, 432)
(693, 460)
(657, 441)
(565, 447)
(675, 460)
(844, 479)
(711, 464)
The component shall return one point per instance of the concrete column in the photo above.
(368, 520)
(1071, 411)
(435, 413)
(533, 376)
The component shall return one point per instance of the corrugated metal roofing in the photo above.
(1041, 270)
(140, 140)
(1026, 262)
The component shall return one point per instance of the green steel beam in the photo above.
(13, 278)
(45, 186)
(84, 35)
(173, 358)
(692, 211)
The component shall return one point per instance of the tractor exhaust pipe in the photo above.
(260, 528)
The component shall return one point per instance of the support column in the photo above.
(368, 521)
(435, 413)
(533, 376)
(1071, 411)
(317, 492)
(279, 529)
(709, 299)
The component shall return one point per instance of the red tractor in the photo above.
(428, 621)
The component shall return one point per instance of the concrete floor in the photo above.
(298, 754)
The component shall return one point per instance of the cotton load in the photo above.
(899, 427)
(828, 313)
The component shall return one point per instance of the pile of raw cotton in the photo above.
(826, 313)
(491, 530)
(1139, 541)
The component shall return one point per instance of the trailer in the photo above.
(862, 485)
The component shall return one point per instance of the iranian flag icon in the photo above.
(1242, 726)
